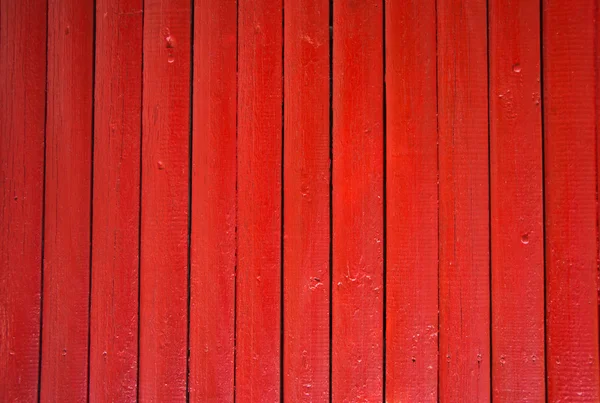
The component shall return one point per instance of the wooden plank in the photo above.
(213, 240)
(116, 201)
(412, 202)
(306, 196)
(165, 200)
(357, 328)
(22, 119)
(258, 315)
(517, 232)
(569, 32)
(67, 201)
(464, 344)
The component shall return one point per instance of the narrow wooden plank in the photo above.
(116, 199)
(22, 115)
(213, 240)
(258, 314)
(517, 232)
(412, 202)
(67, 201)
(164, 200)
(571, 200)
(464, 344)
(306, 196)
(357, 344)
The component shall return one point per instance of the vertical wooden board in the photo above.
(357, 327)
(22, 96)
(306, 196)
(69, 125)
(571, 200)
(258, 298)
(116, 199)
(517, 235)
(213, 240)
(412, 202)
(464, 345)
(165, 200)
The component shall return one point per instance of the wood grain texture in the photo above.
(69, 125)
(258, 298)
(464, 346)
(571, 200)
(412, 202)
(517, 235)
(22, 119)
(357, 328)
(306, 277)
(116, 201)
(213, 239)
(164, 200)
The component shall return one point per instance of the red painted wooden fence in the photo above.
(299, 200)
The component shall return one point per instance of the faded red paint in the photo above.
(164, 201)
(306, 181)
(412, 203)
(357, 201)
(464, 347)
(213, 232)
(517, 235)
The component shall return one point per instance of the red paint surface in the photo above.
(258, 298)
(213, 238)
(22, 100)
(464, 347)
(306, 197)
(66, 288)
(571, 201)
(517, 235)
(164, 201)
(357, 344)
(116, 199)
(412, 203)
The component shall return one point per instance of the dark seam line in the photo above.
(189, 245)
(235, 278)
(281, 217)
(437, 119)
(91, 218)
(330, 198)
(139, 277)
(490, 273)
(39, 391)
(384, 230)
(543, 119)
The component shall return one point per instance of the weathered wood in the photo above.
(164, 200)
(306, 277)
(357, 324)
(22, 119)
(213, 238)
(464, 345)
(258, 298)
(569, 75)
(116, 201)
(67, 237)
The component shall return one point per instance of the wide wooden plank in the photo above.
(464, 344)
(67, 201)
(213, 239)
(569, 58)
(357, 324)
(165, 200)
(258, 299)
(412, 202)
(517, 233)
(22, 119)
(116, 199)
(306, 277)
